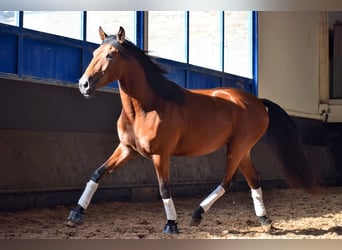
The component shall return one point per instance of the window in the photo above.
(204, 42)
(166, 34)
(218, 40)
(9, 17)
(110, 21)
(215, 39)
(238, 43)
(63, 23)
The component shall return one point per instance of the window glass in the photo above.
(204, 42)
(238, 43)
(63, 23)
(110, 21)
(9, 17)
(166, 34)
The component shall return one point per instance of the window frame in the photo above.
(141, 31)
(222, 30)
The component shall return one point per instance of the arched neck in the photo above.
(136, 94)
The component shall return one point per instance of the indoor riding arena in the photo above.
(56, 132)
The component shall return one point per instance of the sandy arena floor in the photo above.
(295, 215)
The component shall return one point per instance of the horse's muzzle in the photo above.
(85, 87)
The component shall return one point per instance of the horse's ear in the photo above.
(121, 35)
(103, 35)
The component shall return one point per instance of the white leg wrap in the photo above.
(214, 196)
(170, 209)
(258, 202)
(88, 194)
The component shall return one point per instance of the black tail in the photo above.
(284, 137)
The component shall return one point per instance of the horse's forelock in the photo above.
(112, 40)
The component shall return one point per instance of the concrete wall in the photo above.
(52, 139)
(289, 60)
(296, 64)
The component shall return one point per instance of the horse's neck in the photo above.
(136, 95)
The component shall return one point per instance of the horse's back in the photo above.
(238, 101)
(212, 117)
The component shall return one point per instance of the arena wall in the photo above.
(52, 139)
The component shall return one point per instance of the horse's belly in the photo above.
(201, 144)
(196, 151)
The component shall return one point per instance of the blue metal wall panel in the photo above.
(238, 82)
(51, 60)
(8, 53)
(86, 57)
(177, 75)
(113, 85)
(175, 71)
(199, 80)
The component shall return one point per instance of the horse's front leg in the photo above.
(162, 166)
(121, 155)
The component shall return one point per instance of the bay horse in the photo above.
(160, 119)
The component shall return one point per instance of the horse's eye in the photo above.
(109, 56)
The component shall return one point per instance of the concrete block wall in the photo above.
(52, 139)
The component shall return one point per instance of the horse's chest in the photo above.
(142, 140)
(144, 147)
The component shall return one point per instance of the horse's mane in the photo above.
(155, 75)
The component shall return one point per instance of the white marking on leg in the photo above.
(88, 194)
(258, 202)
(214, 196)
(170, 209)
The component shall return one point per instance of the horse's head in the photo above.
(105, 65)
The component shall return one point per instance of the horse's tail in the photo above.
(284, 137)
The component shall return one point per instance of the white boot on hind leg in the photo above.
(260, 210)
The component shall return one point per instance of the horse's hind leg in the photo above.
(121, 155)
(248, 170)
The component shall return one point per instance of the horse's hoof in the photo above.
(196, 217)
(75, 217)
(69, 223)
(171, 228)
(266, 223)
(195, 222)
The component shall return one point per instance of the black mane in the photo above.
(154, 73)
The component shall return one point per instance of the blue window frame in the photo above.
(30, 53)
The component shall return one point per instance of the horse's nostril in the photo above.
(84, 84)
(85, 87)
